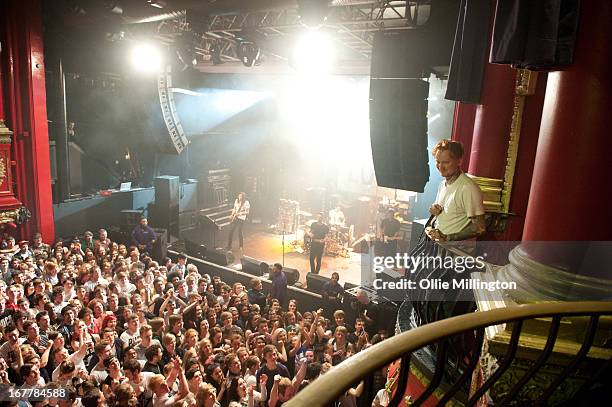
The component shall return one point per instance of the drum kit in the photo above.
(336, 241)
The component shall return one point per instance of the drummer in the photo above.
(336, 217)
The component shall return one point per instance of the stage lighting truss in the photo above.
(352, 24)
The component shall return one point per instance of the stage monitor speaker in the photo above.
(398, 133)
(348, 286)
(293, 276)
(251, 266)
(195, 249)
(315, 282)
(221, 257)
(167, 203)
(361, 245)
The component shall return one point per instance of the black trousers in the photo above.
(391, 248)
(316, 254)
(236, 224)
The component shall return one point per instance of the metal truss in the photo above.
(350, 23)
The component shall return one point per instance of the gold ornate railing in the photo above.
(334, 383)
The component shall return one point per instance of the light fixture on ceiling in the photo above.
(313, 13)
(156, 3)
(215, 53)
(249, 53)
(185, 50)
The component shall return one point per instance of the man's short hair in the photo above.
(91, 398)
(25, 370)
(101, 346)
(251, 361)
(454, 147)
(268, 349)
(41, 315)
(191, 372)
(152, 351)
(133, 365)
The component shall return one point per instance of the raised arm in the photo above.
(274, 393)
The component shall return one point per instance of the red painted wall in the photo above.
(26, 111)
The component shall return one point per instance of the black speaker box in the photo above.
(130, 218)
(398, 133)
(195, 249)
(116, 234)
(293, 276)
(167, 203)
(315, 282)
(397, 54)
(221, 257)
(420, 51)
(251, 266)
(160, 247)
(348, 286)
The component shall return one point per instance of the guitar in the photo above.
(237, 213)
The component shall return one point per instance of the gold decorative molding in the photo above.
(18, 215)
(9, 216)
(5, 133)
(491, 192)
(424, 380)
(2, 170)
(524, 86)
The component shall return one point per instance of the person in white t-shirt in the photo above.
(458, 207)
(131, 335)
(239, 214)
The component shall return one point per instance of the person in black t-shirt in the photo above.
(318, 231)
(332, 291)
(390, 228)
(271, 368)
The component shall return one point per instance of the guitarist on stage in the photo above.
(239, 215)
(318, 231)
(390, 228)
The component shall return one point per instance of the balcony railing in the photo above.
(464, 390)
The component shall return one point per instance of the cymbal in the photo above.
(304, 213)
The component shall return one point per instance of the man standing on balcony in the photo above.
(458, 207)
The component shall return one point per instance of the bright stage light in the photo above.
(314, 53)
(146, 58)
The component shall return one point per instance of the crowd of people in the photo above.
(112, 326)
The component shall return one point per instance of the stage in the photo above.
(262, 243)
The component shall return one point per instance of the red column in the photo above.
(492, 123)
(463, 128)
(571, 177)
(26, 109)
(1, 87)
